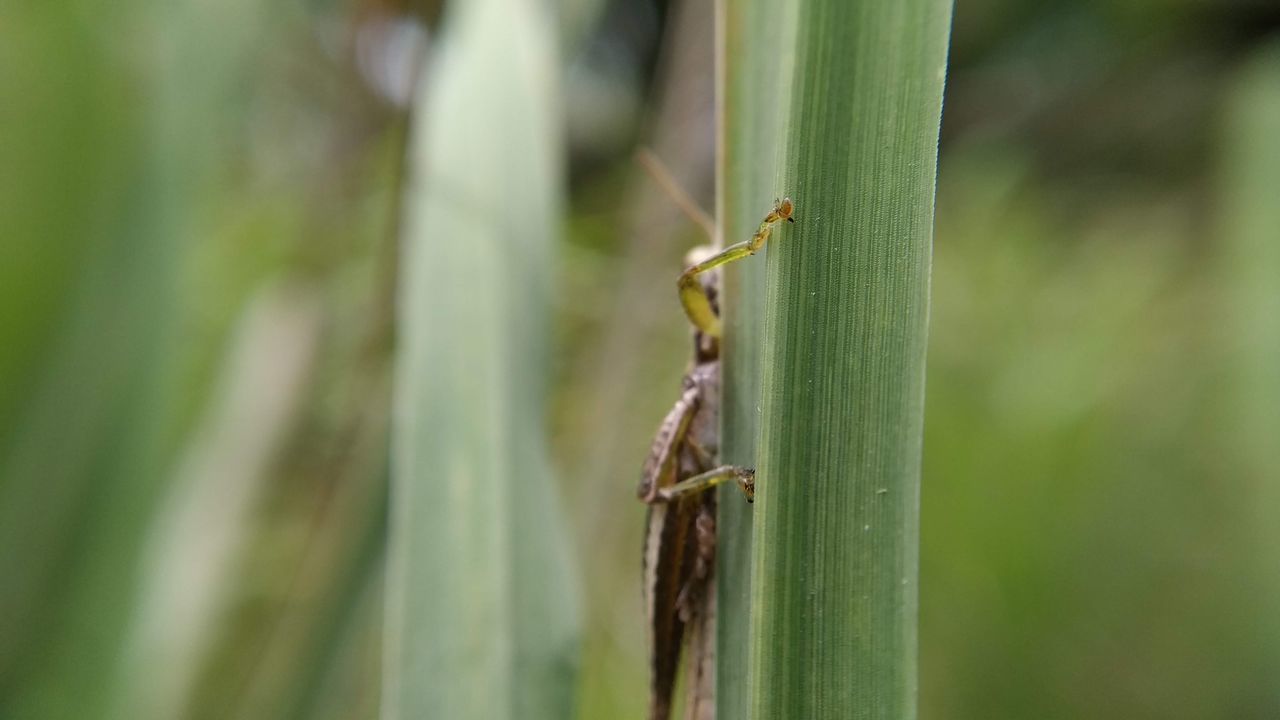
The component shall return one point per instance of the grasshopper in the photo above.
(682, 466)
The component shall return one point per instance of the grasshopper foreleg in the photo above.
(694, 297)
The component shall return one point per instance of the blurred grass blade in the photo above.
(482, 608)
(1250, 226)
(834, 557)
(203, 523)
(1248, 270)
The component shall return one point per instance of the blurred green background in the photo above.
(198, 213)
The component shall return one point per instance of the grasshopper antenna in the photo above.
(665, 180)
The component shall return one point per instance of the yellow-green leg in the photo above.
(745, 477)
(694, 297)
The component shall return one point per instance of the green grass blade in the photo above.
(751, 134)
(481, 610)
(834, 556)
(1249, 263)
(1250, 216)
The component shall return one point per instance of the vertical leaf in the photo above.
(1249, 266)
(751, 80)
(482, 610)
(834, 554)
(1250, 217)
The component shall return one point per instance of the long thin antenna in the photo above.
(665, 180)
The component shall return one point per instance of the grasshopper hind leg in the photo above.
(663, 454)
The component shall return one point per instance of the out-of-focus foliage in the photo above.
(1088, 548)
(482, 602)
(183, 182)
(87, 294)
(161, 162)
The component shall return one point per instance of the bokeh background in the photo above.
(198, 262)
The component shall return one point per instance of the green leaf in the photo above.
(751, 129)
(482, 608)
(1248, 265)
(1250, 215)
(843, 98)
